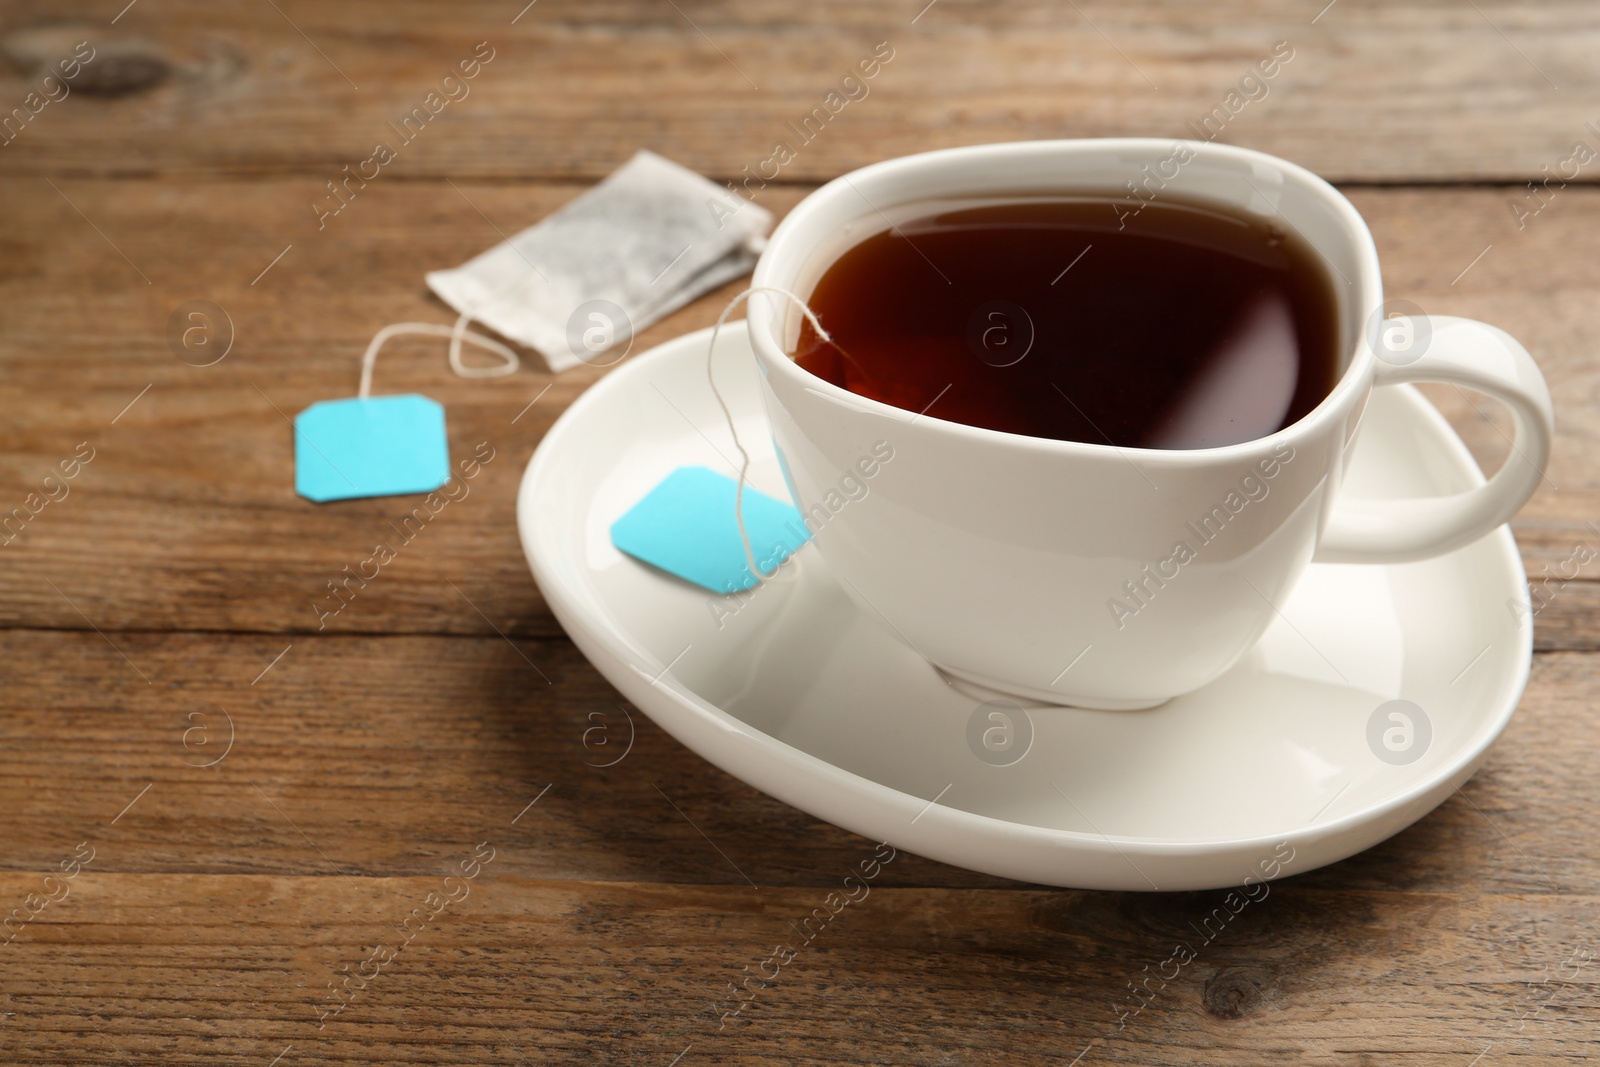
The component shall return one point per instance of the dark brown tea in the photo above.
(1184, 328)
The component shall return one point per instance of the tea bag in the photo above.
(647, 240)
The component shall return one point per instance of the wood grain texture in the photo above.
(218, 907)
(374, 755)
(1421, 90)
(528, 971)
(263, 805)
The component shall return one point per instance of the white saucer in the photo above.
(803, 696)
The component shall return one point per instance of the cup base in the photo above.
(981, 688)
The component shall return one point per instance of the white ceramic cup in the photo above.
(1002, 559)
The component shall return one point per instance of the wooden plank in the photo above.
(1420, 90)
(218, 908)
(191, 969)
(382, 756)
(190, 489)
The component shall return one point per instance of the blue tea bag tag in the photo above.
(370, 446)
(686, 526)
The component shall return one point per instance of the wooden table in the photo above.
(247, 805)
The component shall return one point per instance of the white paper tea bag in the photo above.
(647, 240)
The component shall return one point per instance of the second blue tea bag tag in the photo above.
(686, 526)
(385, 445)
(705, 527)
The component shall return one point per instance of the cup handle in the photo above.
(1472, 354)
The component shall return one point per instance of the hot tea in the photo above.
(1179, 327)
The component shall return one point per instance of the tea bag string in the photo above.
(457, 334)
(744, 467)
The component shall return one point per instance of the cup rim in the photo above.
(1353, 380)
